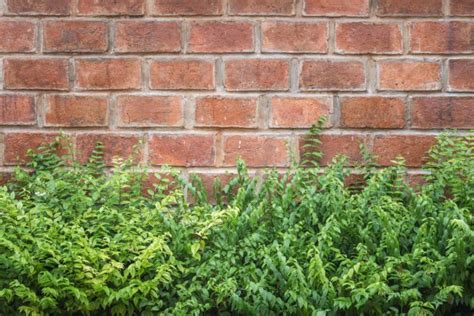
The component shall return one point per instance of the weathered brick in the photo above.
(76, 111)
(18, 144)
(441, 37)
(187, 7)
(182, 150)
(36, 74)
(17, 36)
(75, 36)
(150, 111)
(115, 146)
(108, 74)
(182, 74)
(442, 112)
(294, 37)
(257, 151)
(336, 7)
(226, 112)
(461, 7)
(262, 7)
(257, 75)
(111, 7)
(372, 112)
(147, 37)
(461, 76)
(405, 75)
(334, 145)
(17, 110)
(368, 38)
(410, 7)
(221, 37)
(298, 112)
(413, 148)
(332, 75)
(39, 7)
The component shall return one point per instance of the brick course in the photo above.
(199, 83)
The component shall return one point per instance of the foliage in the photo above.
(83, 239)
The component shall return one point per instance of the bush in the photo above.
(82, 239)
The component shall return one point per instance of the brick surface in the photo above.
(441, 37)
(189, 74)
(461, 7)
(413, 148)
(75, 36)
(301, 112)
(368, 38)
(36, 74)
(257, 75)
(111, 7)
(294, 37)
(461, 75)
(108, 74)
(17, 110)
(76, 111)
(262, 7)
(17, 36)
(332, 75)
(17, 145)
(226, 112)
(410, 7)
(257, 151)
(442, 112)
(188, 7)
(221, 37)
(409, 75)
(336, 7)
(147, 37)
(149, 111)
(39, 7)
(182, 150)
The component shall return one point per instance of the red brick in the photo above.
(187, 7)
(17, 145)
(294, 37)
(5, 177)
(336, 7)
(413, 148)
(150, 111)
(184, 74)
(461, 76)
(221, 37)
(182, 150)
(147, 37)
(256, 151)
(39, 7)
(208, 180)
(17, 36)
(372, 112)
(368, 38)
(332, 75)
(262, 7)
(334, 145)
(75, 36)
(36, 74)
(111, 7)
(115, 146)
(409, 75)
(442, 112)
(301, 112)
(410, 7)
(462, 7)
(76, 111)
(226, 112)
(257, 75)
(17, 110)
(108, 74)
(441, 37)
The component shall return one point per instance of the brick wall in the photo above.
(202, 82)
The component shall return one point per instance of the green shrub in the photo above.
(83, 239)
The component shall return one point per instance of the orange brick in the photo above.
(441, 37)
(294, 37)
(18, 144)
(226, 112)
(300, 112)
(17, 36)
(332, 75)
(461, 75)
(410, 7)
(336, 7)
(188, 7)
(111, 7)
(39, 7)
(17, 110)
(442, 112)
(76, 111)
(184, 74)
(409, 75)
(262, 7)
(413, 148)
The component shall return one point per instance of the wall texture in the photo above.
(202, 82)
